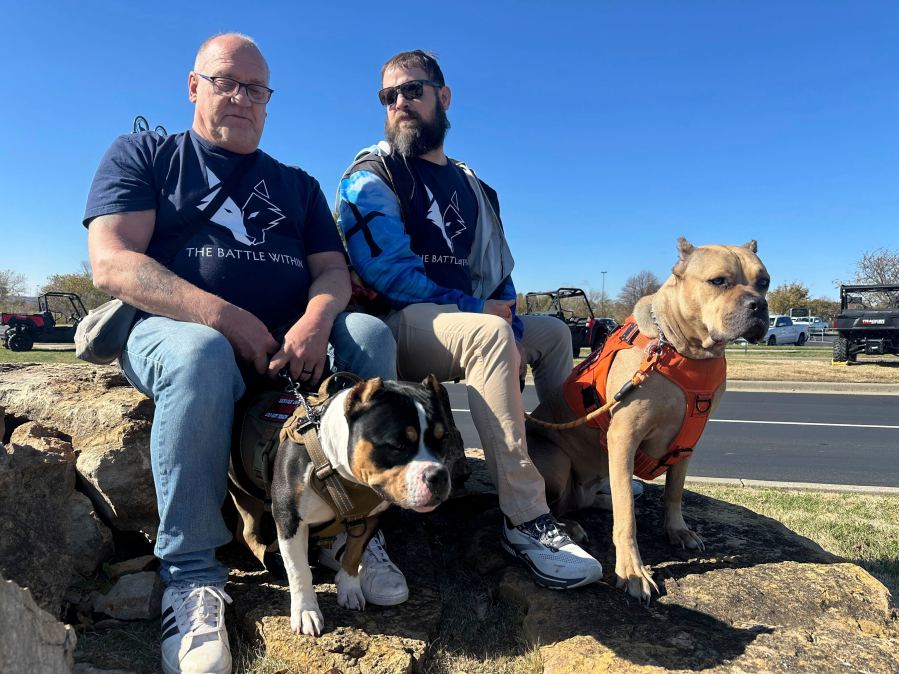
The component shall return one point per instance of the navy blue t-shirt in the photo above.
(252, 251)
(443, 241)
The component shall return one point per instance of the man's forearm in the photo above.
(142, 282)
(329, 294)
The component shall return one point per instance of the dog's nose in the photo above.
(436, 479)
(756, 304)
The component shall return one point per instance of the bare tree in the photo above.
(878, 267)
(601, 303)
(637, 286)
(12, 284)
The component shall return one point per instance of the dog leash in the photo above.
(639, 377)
(653, 352)
(306, 433)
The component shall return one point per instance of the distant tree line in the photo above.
(879, 266)
(13, 289)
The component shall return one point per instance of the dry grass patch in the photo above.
(811, 370)
(804, 364)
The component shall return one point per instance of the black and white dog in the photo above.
(388, 436)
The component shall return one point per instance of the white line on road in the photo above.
(777, 423)
(800, 423)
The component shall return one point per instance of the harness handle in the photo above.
(628, 388)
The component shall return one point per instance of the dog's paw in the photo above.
(636, 580)
(307, 619)
(686, 538)
(574, 530)
(349, 591)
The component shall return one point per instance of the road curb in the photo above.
(802, 486)
(827, 387)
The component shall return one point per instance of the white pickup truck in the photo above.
(782, 330)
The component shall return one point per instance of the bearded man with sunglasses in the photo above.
(221, 248)
(424, 232)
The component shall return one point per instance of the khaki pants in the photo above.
(480, 348)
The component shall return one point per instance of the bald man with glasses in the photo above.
(238, 272)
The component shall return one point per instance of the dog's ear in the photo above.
(684, 249)
(362, 393)
(752, 245)
(433, 383)
(439, 391)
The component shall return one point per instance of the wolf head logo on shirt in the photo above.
(249, 224)
(450, 222)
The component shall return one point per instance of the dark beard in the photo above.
(419, 138)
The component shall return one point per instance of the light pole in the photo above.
(602, 297)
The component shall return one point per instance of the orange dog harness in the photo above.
(585, 391)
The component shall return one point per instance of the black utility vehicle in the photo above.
(57, 317)
(572, 306)
(868, 322)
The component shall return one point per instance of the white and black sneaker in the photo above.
(552, 557)
(383, 584)
(194, 638)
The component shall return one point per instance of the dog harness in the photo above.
(585, 391)
(272, 418)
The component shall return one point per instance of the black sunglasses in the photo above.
(411, 90)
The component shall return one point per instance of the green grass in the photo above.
(862, 528)
(809, 351)
(41, 354)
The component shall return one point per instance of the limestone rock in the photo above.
(31, 640)
(378, 640)
(39, 437)
(90, 540)
(132, 565)
(35, 488)
(761, 599)
(109, 425)
(135, 596)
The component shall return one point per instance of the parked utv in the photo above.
(868, 322)
(58, 314)
(571, 306)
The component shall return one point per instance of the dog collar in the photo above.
(663, 340)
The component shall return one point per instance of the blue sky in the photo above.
(608, 128)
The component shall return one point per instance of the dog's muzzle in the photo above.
(756, 328)
(427, 486)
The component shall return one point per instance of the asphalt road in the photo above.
(783, 437)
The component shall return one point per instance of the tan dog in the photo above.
(714, 295)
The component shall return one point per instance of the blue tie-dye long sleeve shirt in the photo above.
(376, 230)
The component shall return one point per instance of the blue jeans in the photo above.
(190, 372)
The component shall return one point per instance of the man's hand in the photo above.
(304, 350)
(248, 335)
(501, 308)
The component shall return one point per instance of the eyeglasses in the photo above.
(225, 86)
(411, 90)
